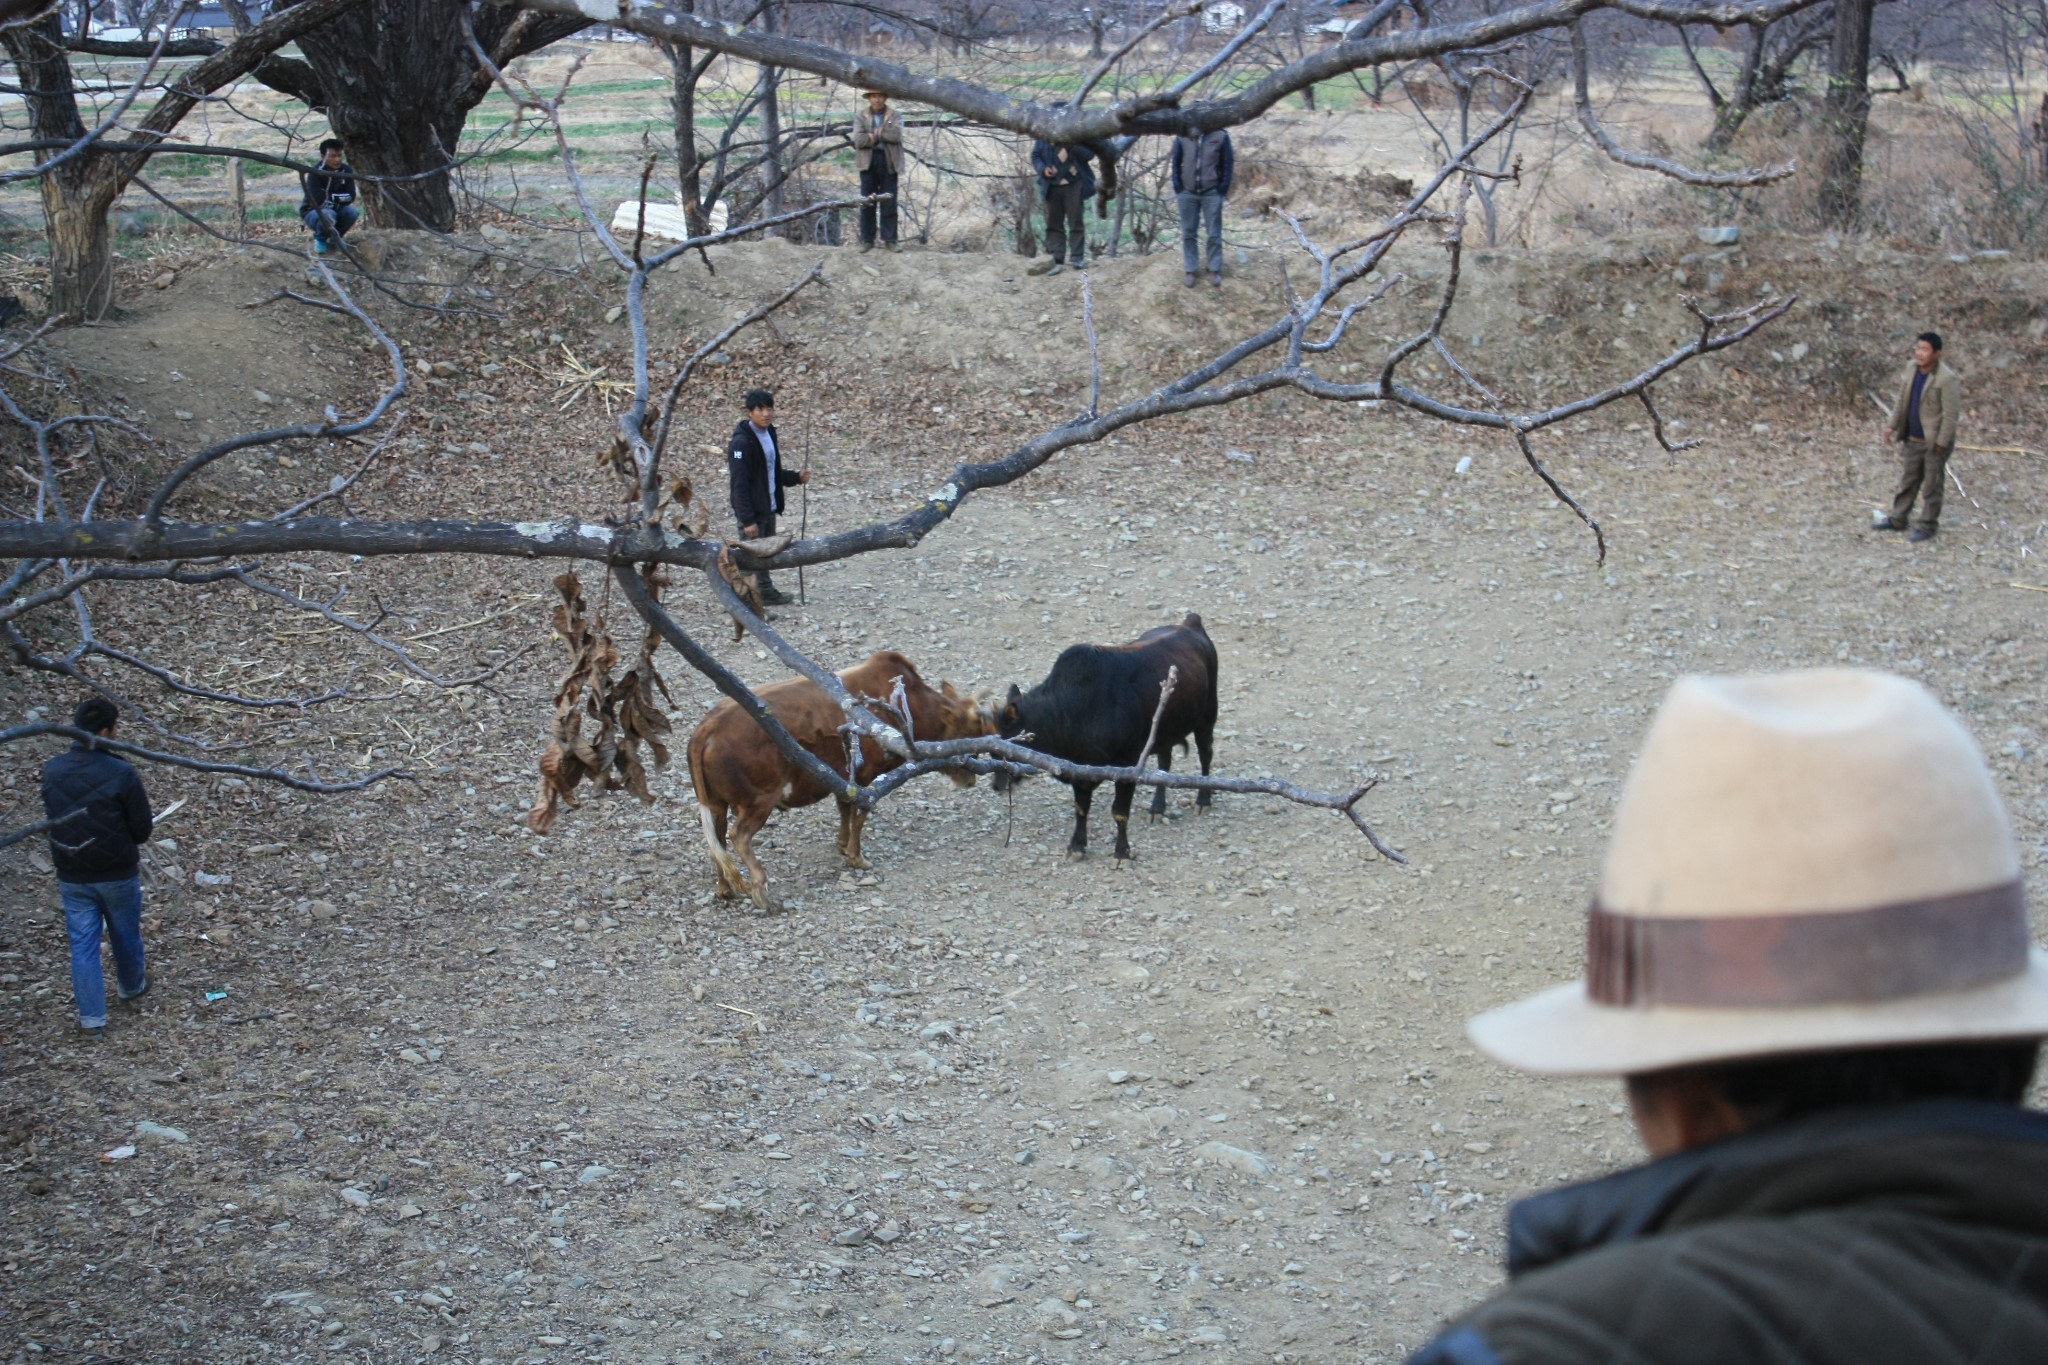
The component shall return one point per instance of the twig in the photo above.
(1721, 180)
(1094, 347)
(1166, 687)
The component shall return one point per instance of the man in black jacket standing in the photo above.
(758, 478)
(1809, 959)
(102, 816)
(329, 206)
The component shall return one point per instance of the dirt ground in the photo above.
(467, 1093)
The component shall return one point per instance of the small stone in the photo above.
(1236, 1159)
(889, 1232)
(165, 280)
(147, 1128)
(1800, 350)
(261, 397)
(406, 1054)
(1479, 1148)
(1073, 1236)
(321, 910)
(850, 1237)
(1721, 236)
(580, 925)
(592, 1173)
(615, 312)
(181, 414)
(410, 1210)
(940, 1031)
(552, 1340)
(359, 1198)
(1116, 1077)
(1209, 1334)
(1293, 1268)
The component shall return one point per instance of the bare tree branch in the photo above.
(1720, 180)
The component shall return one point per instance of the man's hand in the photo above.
(749, 532)
(803, 476)
(1048, 172)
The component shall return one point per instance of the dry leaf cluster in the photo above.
(625, 710)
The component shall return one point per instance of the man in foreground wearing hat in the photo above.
(1810, 960)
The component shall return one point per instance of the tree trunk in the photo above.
(771, 125)
(689, 164)
(81, 253)
(1846, 114)
(395, 82)
(1096, 25)
(77, 194)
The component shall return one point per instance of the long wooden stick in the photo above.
(803, 492)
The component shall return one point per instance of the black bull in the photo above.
(1096, 708)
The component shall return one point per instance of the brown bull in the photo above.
(738, 772)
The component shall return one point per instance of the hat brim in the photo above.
(1563, 1033)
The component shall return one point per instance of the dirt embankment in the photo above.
(475, 1095)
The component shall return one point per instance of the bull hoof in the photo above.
(1124, 855)
(857, 861)
(1202, 806)
(1075, 855)
(727, 893)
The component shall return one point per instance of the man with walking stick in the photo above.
(758, 478)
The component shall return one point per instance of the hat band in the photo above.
(1917, 947)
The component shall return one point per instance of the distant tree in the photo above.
(397, 80)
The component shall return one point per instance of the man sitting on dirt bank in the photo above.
(758, 478)
(1924, 419)
(1810, 959)
(329, 206)
(1066, 176)
(102, 817)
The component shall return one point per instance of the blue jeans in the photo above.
(117, 906)
(1205, 210)
(331, 225)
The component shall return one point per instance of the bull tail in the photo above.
(721, 858)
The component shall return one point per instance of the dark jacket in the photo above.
(752, 496)
(1203, 165)
(329, 189)
(98, 843)
(1078, 168)
(1912, 1234)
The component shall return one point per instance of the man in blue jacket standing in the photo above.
(102, 816)
(1202, 167)
(758, 477)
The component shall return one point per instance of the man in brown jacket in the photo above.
(1924, 418)
(878, 154)
(1810, 960)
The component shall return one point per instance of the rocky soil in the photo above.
(439, 1088)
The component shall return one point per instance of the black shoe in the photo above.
(776, 597)
(1920, 533)
(1887, 524)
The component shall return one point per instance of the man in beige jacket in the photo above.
(1924, 419)
(878, 154)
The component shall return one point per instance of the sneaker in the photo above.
(1080, 263)
(1886, 524)
(1056, 268)
(1191, 279)
(131, 999)
(1042, 267)
(867, 246)
(92, 1033)
(1216, 279)
(776, 597)
(319, 247)
(1921, 533)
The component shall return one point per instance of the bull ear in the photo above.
(947, 689)
(1011, 701)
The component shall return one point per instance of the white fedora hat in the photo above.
(1801, 862)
